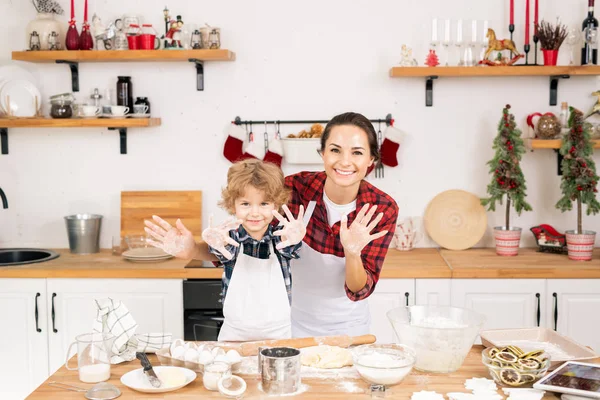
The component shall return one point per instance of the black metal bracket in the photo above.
(4, 140)
(74, 66)
(122, 138)
(429, 90)
(199, 74)
(559, 158)
(554, 88)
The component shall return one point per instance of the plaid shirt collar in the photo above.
(244, 237)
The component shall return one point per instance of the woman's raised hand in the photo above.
(358, 235)
(218, 237)
(175, 240)
(293, 228)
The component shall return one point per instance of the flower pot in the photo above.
(44, 24)
(550, 56)
(507, 241)
(580, 245)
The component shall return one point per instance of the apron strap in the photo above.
(310, 208)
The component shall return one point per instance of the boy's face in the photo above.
(255, 211)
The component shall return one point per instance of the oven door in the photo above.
(202, 326)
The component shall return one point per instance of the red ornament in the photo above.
(72, 41)
(432, 59)
(579, 188)
(572, 150)
(583, 165)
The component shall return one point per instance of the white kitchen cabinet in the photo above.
(155, 304)
(432, 292)
(388, 294)
(506, 303)
(575, 304)
(23, 337)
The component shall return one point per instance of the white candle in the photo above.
(459, 31)
(434, 32)
(447, 31)
(474, 31)
(484, 38)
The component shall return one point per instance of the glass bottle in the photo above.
(125, 92)
(589, 52)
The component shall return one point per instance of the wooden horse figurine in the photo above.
(499, 45)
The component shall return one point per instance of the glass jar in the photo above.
(61, 109)
(213, 372)
(125, 92)
(144, 102)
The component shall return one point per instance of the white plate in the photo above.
(145, 252)
(139, 115)
(136, 379)
(22, 98)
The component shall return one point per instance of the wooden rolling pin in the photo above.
(251, 348)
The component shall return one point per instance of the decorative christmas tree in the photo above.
(508, 179)
(579, 177)
(432, 59)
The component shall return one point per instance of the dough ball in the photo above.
(326, 357)
(172, 377)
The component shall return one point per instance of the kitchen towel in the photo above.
(114, 317)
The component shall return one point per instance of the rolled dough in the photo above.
(326, 357)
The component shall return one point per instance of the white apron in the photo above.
(320, 306)
(256, 305)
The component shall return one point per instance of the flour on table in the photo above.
(325, 356)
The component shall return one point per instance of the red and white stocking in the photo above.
(274, 154)
(254, 149)
(390, 146)
(233, 148)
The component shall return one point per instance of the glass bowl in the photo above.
(383, 364)
(441, 336)
(508, 367)
(137, 241)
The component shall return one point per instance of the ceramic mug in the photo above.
(407, 241)
(119, 110)
(140, 109)
(88, 111)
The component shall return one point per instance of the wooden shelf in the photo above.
(123, 55)
(552, 144)
(120, 124)
(73, 58)
(554, 73)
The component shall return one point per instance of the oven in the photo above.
(202, 309)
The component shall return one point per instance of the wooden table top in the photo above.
(342, 388)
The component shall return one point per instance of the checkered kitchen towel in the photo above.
(114, 317)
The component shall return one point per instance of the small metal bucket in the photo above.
(84, 233)
(280, 370)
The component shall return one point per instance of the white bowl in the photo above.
(383, 364)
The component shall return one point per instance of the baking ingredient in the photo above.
(205, 357)
(178, 353)
(94, 373)
(172, 377)
(191, 355)
(213, 372)
(513, 366)
(233, 356)
(383, 369)
(326, 357)
(555, 352)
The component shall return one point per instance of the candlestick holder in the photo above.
(536, 39)
(511, 29)
(526, 49)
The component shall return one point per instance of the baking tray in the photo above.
(560, 348)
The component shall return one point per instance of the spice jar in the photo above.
(61, 105)
(213, 372)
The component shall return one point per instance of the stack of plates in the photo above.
(16, 86)
(146, 254)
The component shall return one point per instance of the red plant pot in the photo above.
(550, 56)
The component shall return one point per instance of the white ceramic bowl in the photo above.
(383, 364)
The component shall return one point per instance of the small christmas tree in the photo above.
(432, 59)
(579, 177)
(508, 179)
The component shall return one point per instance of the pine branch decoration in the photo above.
(508, 179)
(551, 37)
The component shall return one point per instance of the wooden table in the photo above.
(315, 388)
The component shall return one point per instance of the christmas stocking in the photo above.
(390, 146)
(253, 150)
(234, 142)
(274, 153)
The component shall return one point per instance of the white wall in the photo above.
(295, 60)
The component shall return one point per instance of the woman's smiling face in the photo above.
(346, 155)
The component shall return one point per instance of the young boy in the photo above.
(256, 255)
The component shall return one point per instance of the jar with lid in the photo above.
(61, 105)
(213, 372)
(125, 92)
(133, 37)
(143, 101)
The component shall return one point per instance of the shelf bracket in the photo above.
(122, 138)
(74, 66)
(559, 159)
(4, 140)
(199, 73)
(429, 90)
(554, 88)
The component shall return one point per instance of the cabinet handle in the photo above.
(555, 311)
(539, 311)
(53, 314)
(36, 313)
(406, 294)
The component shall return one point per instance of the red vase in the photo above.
(85, 39)
(72, 42)
(550, 56)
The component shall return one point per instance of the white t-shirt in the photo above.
(336, 211)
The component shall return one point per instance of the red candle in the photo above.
(535, 17)
(526, 22)
(72, 9)
(512, 12)
(85, 11)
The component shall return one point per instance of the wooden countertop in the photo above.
(342, 388)
(419, 263)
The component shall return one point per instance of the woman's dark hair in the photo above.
(358, 120)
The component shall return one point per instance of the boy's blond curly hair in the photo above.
(263, 176)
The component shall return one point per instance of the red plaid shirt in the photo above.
(308, 186)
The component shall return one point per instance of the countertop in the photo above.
(418, 263)
(342, 388)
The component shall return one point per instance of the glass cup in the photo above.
(94, 351)
(118, 245)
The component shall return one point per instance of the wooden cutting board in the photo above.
(169, 205)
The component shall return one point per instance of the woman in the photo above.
(345, 243)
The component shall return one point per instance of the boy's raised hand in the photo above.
(293, 228)
(175, 240)
(218, 237)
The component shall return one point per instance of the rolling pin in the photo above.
(251, 348)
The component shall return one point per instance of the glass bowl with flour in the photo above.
(441, 336)
(383, 364)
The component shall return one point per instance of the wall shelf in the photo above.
(120, 124)
(73, 58)
(553, 73)
(552, 144)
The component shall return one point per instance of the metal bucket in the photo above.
(280, 370)
(83, 231)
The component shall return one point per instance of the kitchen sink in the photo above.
(25, 256)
